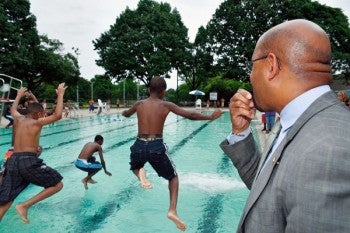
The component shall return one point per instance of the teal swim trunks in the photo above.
(90, 165)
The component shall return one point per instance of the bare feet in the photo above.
(85, 183)
(22, 212)
(179, 223)
(91, 181)
(145, 183)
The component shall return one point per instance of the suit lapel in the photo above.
(263, 178)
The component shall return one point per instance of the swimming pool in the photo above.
(211, 194)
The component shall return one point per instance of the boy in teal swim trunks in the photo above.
(87, 161)
(24, 166)
(149, 147)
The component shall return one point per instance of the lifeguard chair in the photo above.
(198, 104)
(7, 84)
(101, 107)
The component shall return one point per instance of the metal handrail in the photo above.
(8, 92)
(10, 83)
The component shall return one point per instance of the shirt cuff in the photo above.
(233, 138)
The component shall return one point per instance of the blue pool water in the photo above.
(211, 195)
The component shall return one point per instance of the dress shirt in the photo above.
(294, 109)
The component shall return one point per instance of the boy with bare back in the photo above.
(149, 147)
(87, 161)
(24, 166)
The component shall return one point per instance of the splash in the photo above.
(210, 182)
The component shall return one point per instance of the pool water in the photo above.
(211, 194)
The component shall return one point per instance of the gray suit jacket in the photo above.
(306, 188)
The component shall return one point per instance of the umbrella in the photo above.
(196, 92)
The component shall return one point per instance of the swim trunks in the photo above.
(90, 165)
(154, 152)
(24, 168)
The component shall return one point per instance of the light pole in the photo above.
(92, 90)
(124, 92)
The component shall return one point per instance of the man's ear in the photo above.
(274, 65)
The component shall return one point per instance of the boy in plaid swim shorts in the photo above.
(24, 166)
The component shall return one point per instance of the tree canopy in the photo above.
(237, 24)
(143, 43)
(28, 56)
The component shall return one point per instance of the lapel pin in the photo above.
(275, 161)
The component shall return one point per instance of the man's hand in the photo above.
(242, 110)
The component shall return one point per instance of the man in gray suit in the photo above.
(301, 182)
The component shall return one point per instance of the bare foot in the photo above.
(145, 183)
(179, 223)
(22, 212)
(91, 181)
(85, 183)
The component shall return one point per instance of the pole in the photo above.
(92, 90)
(177, 86)
(77, 94)
(124, 92)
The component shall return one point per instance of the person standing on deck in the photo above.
(300, 182)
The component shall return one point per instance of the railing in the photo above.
(6, 89)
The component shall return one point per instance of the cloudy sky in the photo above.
(76, 23)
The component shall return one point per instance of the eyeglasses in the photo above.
(249, 64)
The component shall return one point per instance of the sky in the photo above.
(76, 23)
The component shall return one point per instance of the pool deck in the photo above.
(81, 113)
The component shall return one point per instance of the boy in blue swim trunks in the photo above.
(149, 147)
(87, 161)
(24, 166)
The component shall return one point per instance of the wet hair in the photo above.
(157, 85)
(98, 138)
(34, 107)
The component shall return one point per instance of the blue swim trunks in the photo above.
(90, 165)
(154, 152)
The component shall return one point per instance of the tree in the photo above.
(237, 24)
(198, 66)
(143, 43)
(225, 87)
(26, 55)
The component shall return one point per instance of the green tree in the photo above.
(143, 43)
(26, 55)
(237, 24)
(225, 87)
(198, 66)
(104, 89)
